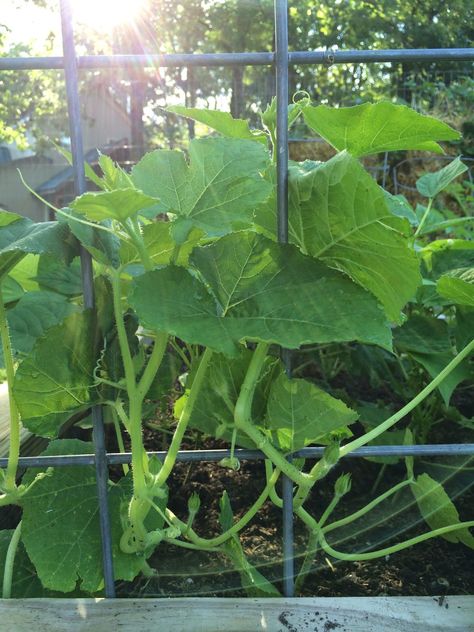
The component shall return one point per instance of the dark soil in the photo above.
(434, 567)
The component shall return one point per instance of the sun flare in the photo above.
(104, 15)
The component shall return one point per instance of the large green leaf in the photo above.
(119, 204)
(301, 413)
(339, 214)
(61, 530)
(213, 411)
(256, 289)
(32, 316)
(216, 192)
(438, 510)
(222, 122)
(24, 236)
(371, 128)
(431, 184)
(458, 286)
(43, 386)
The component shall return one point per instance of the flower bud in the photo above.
(343, 485)
(194, 502)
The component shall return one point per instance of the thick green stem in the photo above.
(129, 369)
(238, 526)
(9, 563)
(170, 458)
(243, 418)
(135, 411)
(14, 448)
(138, 451)
(391, 421)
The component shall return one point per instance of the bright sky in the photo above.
(29, 23)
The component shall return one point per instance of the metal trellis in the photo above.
(280, 60)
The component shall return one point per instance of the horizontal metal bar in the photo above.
(324, 57)
(380, 56)
(115, 458)
(134, 61)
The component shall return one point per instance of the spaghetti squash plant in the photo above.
(187, 263)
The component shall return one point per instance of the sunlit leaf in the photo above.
(371, 128)
(119, 204)
(222, 122)
(216, 192)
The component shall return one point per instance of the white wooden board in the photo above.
(351, 614)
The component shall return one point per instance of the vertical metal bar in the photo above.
(70, 74)
(281, 72)
(281, 68)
